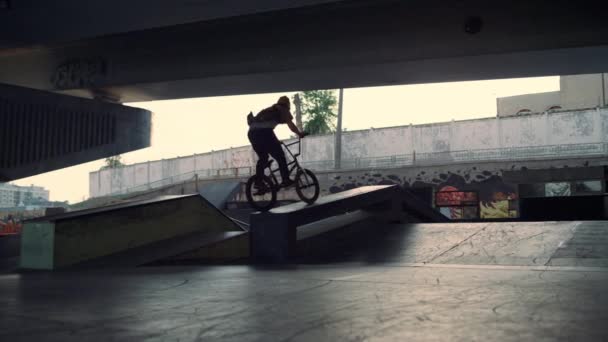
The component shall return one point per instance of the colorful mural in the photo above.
(557, 189)
(455, 204)
(10, 226)
(11, 219)
(451, 196)
(464, 194)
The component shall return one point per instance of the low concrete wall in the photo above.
(497, 198)
(513, 138)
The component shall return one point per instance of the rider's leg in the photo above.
(276, 151)
(259, 146)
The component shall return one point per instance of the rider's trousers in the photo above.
(265, 143)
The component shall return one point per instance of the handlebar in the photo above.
(298, 142)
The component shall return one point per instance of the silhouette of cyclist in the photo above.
(265, 142)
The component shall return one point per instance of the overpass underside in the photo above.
(314, 45)
(42, 131)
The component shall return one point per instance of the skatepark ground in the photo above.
(509, 281)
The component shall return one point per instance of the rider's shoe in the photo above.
(287, 183)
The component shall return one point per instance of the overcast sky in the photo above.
(188, 126)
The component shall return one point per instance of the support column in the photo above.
(338, 135)
(412, 138)
(194, 163)
(298, 104)
(148, 174)
(499, 132)
(597, 122)
(547, 128)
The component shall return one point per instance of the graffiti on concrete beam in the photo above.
(79, 73)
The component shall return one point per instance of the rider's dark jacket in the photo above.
(270, 117)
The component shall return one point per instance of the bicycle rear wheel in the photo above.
(307, 186)
(262, 197)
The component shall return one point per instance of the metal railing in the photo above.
(404, 160)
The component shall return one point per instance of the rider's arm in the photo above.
(294, 128)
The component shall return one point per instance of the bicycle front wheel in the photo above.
(307, 186)
(262, 194)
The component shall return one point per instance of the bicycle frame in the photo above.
(291, 165)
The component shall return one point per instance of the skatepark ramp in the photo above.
(132, 234)
(275, 235)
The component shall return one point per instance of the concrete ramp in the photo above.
(275, 235)
(134, 233)
(199, 247)
(218, 193)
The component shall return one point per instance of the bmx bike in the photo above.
(262, 193)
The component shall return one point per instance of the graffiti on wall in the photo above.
(557, 189)
(10, 226)
(463, 194)
(11, 220)
(456, 204)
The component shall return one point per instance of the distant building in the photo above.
(576, 92)
(12, 196)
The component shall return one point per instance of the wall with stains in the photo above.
(440, 141)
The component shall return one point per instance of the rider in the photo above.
(265, 142)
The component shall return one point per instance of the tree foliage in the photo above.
(319, 111)
(113, 163)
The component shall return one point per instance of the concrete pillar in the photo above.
(338, 134)
(604, 90)
(498, 132)
(148, 173)
(547, 123)
(451, 137)
(298, 104)
(412, 138)
(602, 130)
(99, 183)
(597, 122)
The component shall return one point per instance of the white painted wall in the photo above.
(536, 103)
(582, 91)
(529, 130)
(561, 128)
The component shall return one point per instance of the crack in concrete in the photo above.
(563, 244)
(184, 282)
(457, 245)
(320, 322)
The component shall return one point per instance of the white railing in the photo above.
(414, 159)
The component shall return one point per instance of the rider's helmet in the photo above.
(284, 101)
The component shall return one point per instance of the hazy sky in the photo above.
(188, 126)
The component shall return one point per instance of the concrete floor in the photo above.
(428, 282)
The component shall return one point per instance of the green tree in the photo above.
(319, 111)
(113, 162)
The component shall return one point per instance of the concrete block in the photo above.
(37, 246)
